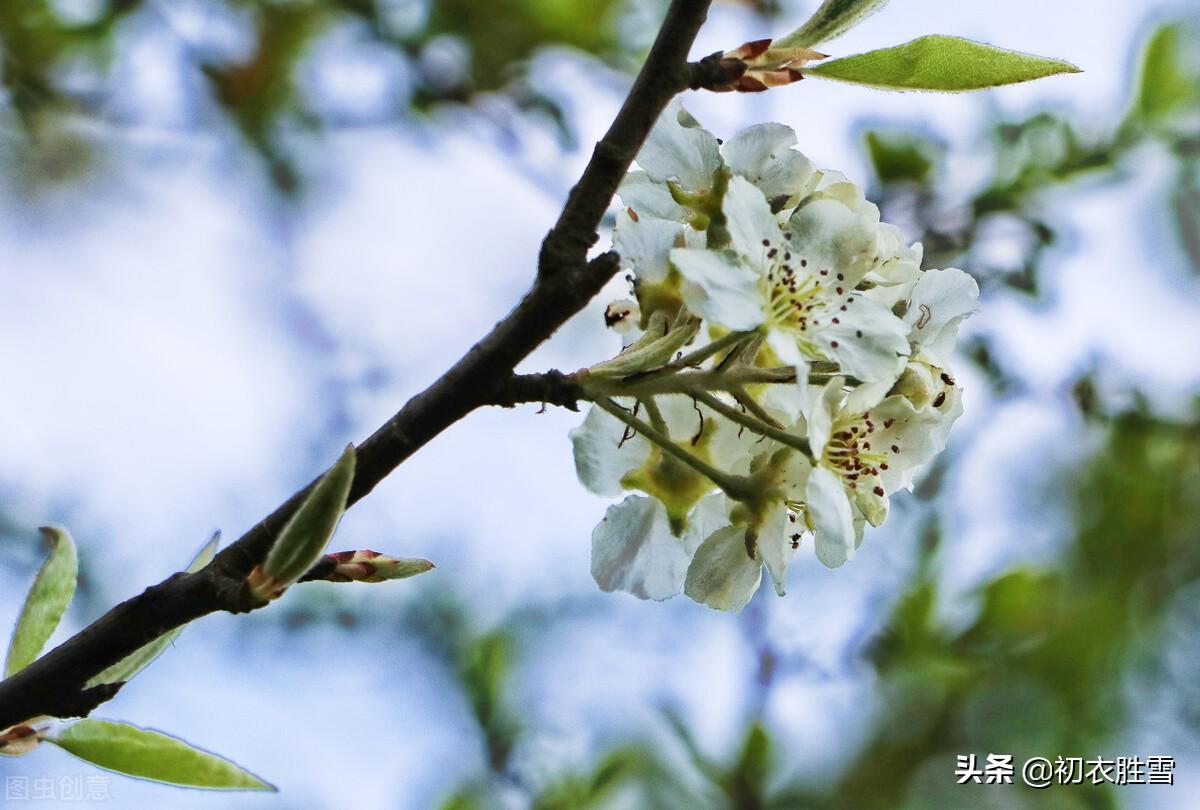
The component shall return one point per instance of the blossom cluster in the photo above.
(784, 368)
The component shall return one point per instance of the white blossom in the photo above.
(747, 245)
(797, 283)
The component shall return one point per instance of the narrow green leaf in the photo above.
(136, 661)
(147, 754)
(304, 537)
(832, 19)
(52, 591)
(1165, 86)
(940, 63)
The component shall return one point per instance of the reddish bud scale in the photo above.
(19, 739)
(263, 587)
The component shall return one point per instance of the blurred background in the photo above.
(235, 235)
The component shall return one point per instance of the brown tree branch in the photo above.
(566, 280)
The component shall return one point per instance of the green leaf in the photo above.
(899, 158)
(304, 537)
(754, 764)
(832, 19)
(147, 754)
(1165, 86)
(940, 63)
(47, 601)
(709, 769)
(138, 660)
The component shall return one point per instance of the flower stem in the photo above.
(753, 422)
(673, 368)
(656, 418)
(734, 486)
(676, 382)
(703, 353)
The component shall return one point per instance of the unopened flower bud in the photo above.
(365, 565)
(766, 66)
(622, 316)
(21, 738)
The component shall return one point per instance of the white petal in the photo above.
(711, 514)
(775, 547)
(720, 288)
(763, 154)
(648, 197)
(633, 550)
(601, 459)
(645, 245)
(833, 521)
(679, 151)
(868, 395)
(785, 402)
(869, 340)
(836, 186)
(921, 441)
(733, 447)
(789, 354)
(821, 412)
(787, 398)
(870, 504)
(685, 418)
(941, 300)
(950, 410)
(751, 223)
(829, 236)
(722, 574)
(918, 435)
(794, 478)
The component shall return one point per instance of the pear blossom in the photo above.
(797, 283)
(611, 458)
(682, 163)
(864, 454)
(671, 200)
(726, 570)
(726, 465)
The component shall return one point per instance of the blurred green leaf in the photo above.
(832, 19)
(707, 767)
(134, 663)
(499, 36)
(899, 158)
(304, 537)
(485, 668)
(940, 63)
(152, 755)
(747, 781)
(1186, 207)
(48, 598)
(1021, 605)
(573, 791)
(1165, 86)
